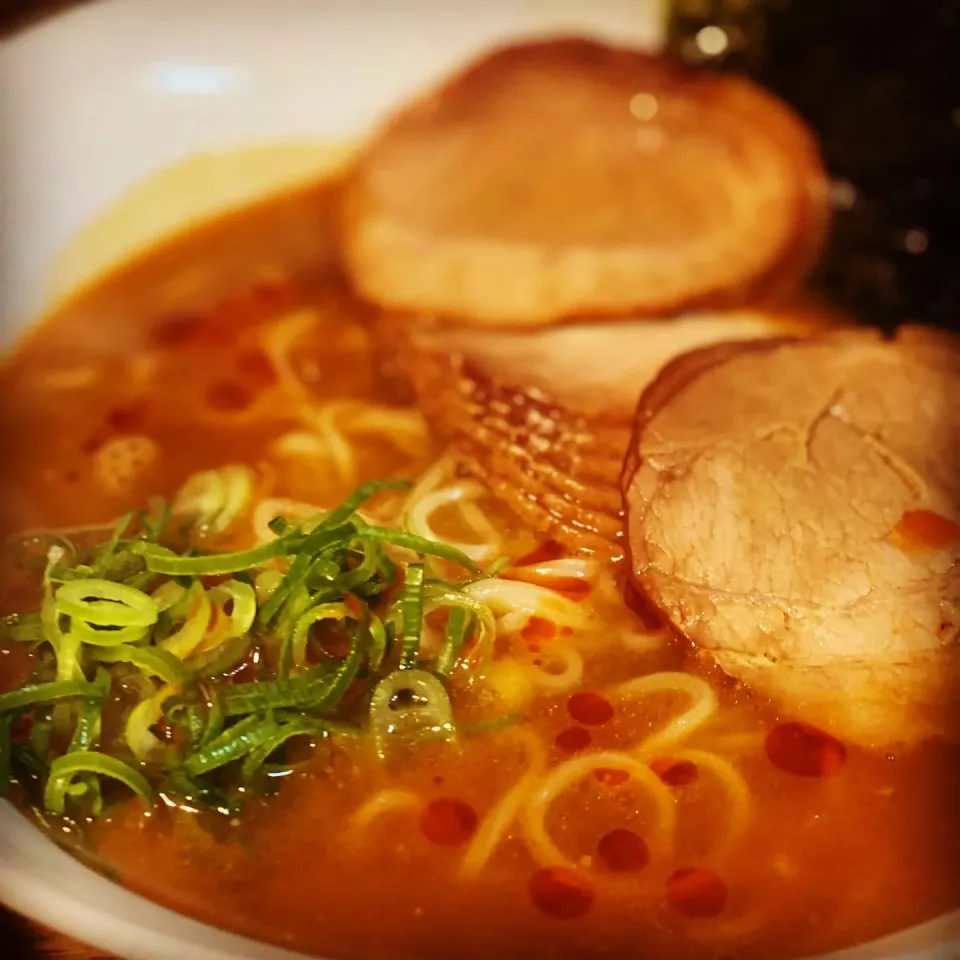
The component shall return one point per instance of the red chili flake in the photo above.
(544, 553)
(229, 396)
(611, 777)
(573, 739)
(696, 892)
(921, 530)
(256, 369)
(273, 292)
(622, 850)
(448, 822)
(590, 708)
(566, 631)
(126, 419)
(177, 330)
(561, 893)
(538, 628)
(804, 750)
(92, 444)
(674, 772)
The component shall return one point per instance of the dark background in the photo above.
(879, 80)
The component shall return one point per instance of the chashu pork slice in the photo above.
(793, 508)
(544, 416)
(569, 179)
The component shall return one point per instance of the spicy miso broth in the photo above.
(552, 775)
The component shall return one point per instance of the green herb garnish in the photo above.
(213, 681)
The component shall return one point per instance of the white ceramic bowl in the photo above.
(94, 101)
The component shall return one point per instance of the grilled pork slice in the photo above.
(568, 178)
(793, 508)
(544, 416)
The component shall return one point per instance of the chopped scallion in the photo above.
(64, 769)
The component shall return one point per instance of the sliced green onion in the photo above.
(87, 731)
(235, 742)
(347, 672)
(306, 691)
(280, 526)
(244, 600)
(458, 625)
(428, 715)
(178, 784)
(64, 769)
(294, 646)
(215, 719)
(185, 711)
(104, 603)
(49, 614)
(438, 595)
(420, 545)
(106, 636)
(378, 642)
(214, 663)
(333, 727)
(137, 734)
(168, 595)
(186, 640)
(349, 507)
(149, 660)
(312, 549)
(216, 498)
(160, 560)
(155, 522)
(411, 608)
(266, 584)
(48, 693)
(364, 571)
(68, 659)
(105, 557)
(256, 758)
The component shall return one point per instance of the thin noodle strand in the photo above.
(541, 845)
(499, 820)
(738, 799)
(702, 708)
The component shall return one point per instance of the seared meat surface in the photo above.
(793, 508)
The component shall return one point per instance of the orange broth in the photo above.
(841, 845)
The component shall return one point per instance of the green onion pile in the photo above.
(186, 672)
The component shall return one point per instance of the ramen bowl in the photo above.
(129, 123)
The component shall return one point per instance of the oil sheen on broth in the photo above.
(610, 814)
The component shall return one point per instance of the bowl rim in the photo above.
(110, 917)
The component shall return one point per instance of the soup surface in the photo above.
(601, 792)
